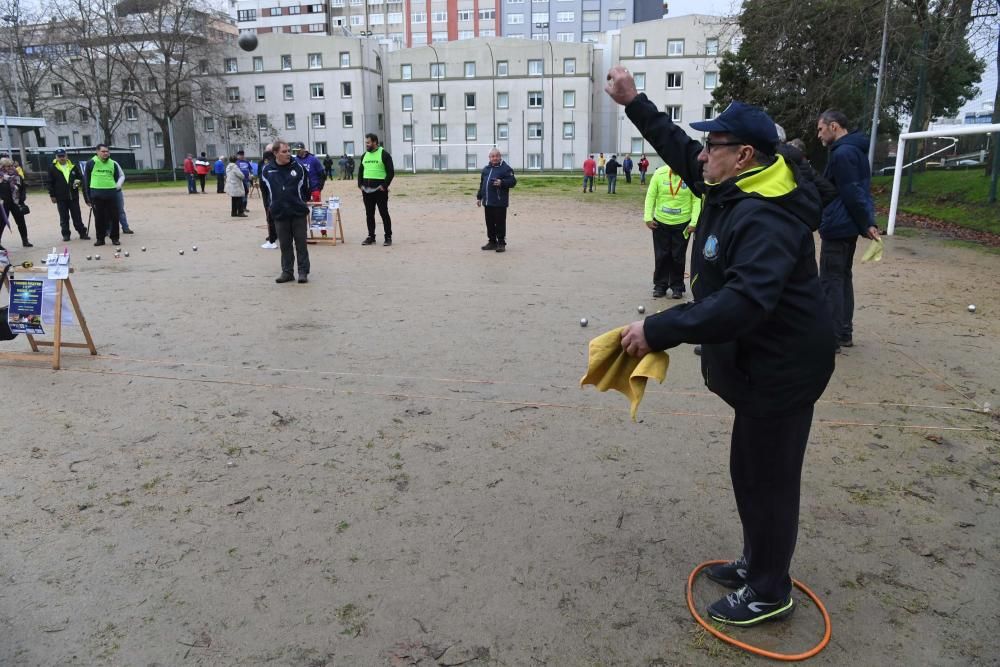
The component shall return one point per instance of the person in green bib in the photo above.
(103, 179)
(374, 177)
(65, 180)
(672, 213)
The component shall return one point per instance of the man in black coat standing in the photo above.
(65, 180)
(495, 183)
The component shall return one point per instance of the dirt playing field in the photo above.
(395, 465)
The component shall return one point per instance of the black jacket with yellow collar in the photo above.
(767, 338)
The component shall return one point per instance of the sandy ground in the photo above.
(394, 465)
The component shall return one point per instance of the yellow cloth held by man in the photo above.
(874, 251)
(610, 367)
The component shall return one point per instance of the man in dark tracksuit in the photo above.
(768, 345)
(287, 185)
(102, 180)
(850, 215)
(65, 180)
(494, 196)
(374, 177)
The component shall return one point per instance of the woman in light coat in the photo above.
(234, 187)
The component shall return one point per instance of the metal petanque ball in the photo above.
(143, 248)
(97, 256)
(641, 309)
(88, 258)
(181, 252)
(118, 249)
(972, 307)
(117, 255)
(248, 41)
(195, 248)
(230, 463)
(126, 253)
(583, 321)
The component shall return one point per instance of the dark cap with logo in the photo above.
(298, 146)
(746, 122)
(60, 152)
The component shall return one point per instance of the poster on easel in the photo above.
(49, 291)
(24, 314)
(319, 219)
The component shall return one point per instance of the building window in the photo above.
(286, 62)
(569, 65)
(470, 70)
(235, 123)
(288, 91)
(407, 102)
(437, 70)
(439, 132)
(711, 80)
(674, 111)
(439, 162)
(408, 161)
(406, 72)
(565, 37)
(395, 18)
(348, 148)
(316, 91)
(294, 9)
(84, 116)
(471, 132)
(565, 17)
(348, 119)
(640, 80)
(419, 38)
(502, 68)
(674, 80)
(487, 14)
(637, 145)
(231, 66)
(503, 131)
(61, 116)
(259, 93)
(616, 14)
(675, 47)
(569, 130)
(418, 17)
(407, 133)
(540, 19)
(130, 85)
(158, 141)
(345, 89)
(490, 32)
(503, 100)
(438, 101)
(319, 148)
(57, 90)
(233, 94)
(208, 124)
(318, 120)
(134, 141)
(294, 29)
(262, 122)
(569, 161)
(470, 100)
(243, 15)
(464, 14)
(535, 68)
(712, 46)
(708, 112)
(258, 64)
(515, 19)
(569, 99)
(592, 16)
(534, 160)
(131, 113)
(289, 121)
(535, 99)
(345, 58)
(470, 161)
(590, 36)
(357, 19)
(203, 67)
(274, 11)
(440, 16)
(534, 130)
(639, 48)
(315, 60)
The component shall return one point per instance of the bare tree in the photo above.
(83, 59)
(22, 41)
(173, 49)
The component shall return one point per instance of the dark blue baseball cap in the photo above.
(746, 122)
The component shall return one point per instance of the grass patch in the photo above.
(959, 197)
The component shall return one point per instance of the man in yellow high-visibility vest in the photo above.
(672, 213)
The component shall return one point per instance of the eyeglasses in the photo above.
(709, 144)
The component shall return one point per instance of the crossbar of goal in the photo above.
(897, 175)
(441, 145)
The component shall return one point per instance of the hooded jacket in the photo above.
(313, 167)
(287, 190)
(853, 211)
(767, 338)
(490, 194)
(65, 181)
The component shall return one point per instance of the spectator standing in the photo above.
(589, 171)
(201, 167)
(13, 196)
(317, 177)
(671, 212)
(103, 179)
(271, 242)
(342, 165)
(350, 167)
(235, 188)
(219, 169)
(374, 177)
(643, 168)
(328, 166)
(627, 168)
(611, 171)
(189, 173)
(65, 180)
(601, 163)
(850, 215)
(244, 165)
(287, 184)
(495, 182)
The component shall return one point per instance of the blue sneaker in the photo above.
(732, 574)
(743, 608)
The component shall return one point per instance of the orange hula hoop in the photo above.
(786, 657)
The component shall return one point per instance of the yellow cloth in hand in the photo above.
(609, 367)
(874, 251)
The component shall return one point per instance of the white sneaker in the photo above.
(267, 245)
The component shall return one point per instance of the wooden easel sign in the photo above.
(26, 300)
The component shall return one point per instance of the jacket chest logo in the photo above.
(711, 249)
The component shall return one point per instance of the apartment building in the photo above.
(573, 20)
(283, 16)
(326, 93)
(450, 103)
